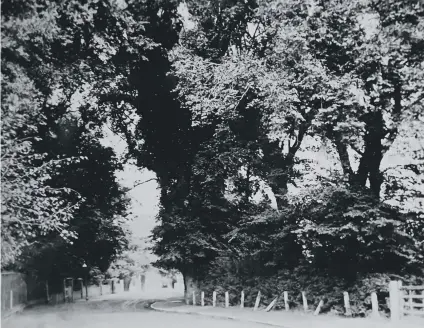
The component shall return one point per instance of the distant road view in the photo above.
(124, 309)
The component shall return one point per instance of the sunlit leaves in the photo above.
(30, 207)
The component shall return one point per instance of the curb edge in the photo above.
(155, 308)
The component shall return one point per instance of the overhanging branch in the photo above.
(142, 182)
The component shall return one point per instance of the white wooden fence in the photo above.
(404, 300)
(271, 306)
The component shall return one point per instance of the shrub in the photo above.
(316, 285)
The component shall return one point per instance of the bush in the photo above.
(333, 239)
(316, 285)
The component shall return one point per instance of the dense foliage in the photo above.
(271, 127)
(61, 204)
(347, 75)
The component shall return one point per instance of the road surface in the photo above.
(115, 312)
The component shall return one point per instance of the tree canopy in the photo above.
(282, 133)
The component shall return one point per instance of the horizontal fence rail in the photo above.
(411, 300)
(412, 288)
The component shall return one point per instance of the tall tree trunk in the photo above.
(191, 284)
(280, 165)
(370, 161)
(369, 166)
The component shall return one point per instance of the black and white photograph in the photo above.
(212, 163)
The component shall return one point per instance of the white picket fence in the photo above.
(271, 306)
(404, 300)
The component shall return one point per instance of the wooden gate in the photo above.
(405, 300)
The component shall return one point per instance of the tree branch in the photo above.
(344, 156)
(242, 97)
(396, 114)
(356, 149)
(142, 182)
(115, 98)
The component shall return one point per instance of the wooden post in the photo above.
(214, 299)
(86, 290)
(82, 289)
(202, 298)
(11, 299)
(242, 300)
(410, 304)
(194, 297)
(227, 300)
(374, 304)
(320, 304)
(64, 290)
(101, 288)
(305, 302)
(401, 299)
(47, 291)
(286, 300)
(347, 303)
(394, 296)
(258, 300)
(271, 305)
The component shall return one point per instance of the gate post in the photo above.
(82, 287)
(374, 303)
(395, 300)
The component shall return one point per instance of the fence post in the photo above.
(72, 289)
(101, 288)
(320, 304)
(242, 300)
(374, 304)
(64, 290)
(11, 299)
(305, 302)
(214, 299)
(401, 299)
(258, 300)
(47, 291)
(202, 298)
(194, 297)
(347, 303)
(286, 300)
(227, 300)
(394, 296)
(82, 288)
(271, 305)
